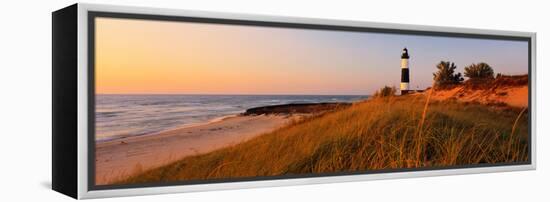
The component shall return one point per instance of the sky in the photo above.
(163, 57)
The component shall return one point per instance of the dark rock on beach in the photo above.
(305, 108)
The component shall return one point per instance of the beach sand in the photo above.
(516, 96)
(121, 158)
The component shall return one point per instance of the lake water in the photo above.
(129, 115)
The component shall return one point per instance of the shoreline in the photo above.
(282, 109)
(120, 158)
(123, 137)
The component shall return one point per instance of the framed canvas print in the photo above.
(150, 101)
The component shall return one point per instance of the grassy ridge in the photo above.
(376, 134)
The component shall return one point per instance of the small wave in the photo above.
(108, 113)
(218, 119)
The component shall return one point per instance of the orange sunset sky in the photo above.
(162, 57)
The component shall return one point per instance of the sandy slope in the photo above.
(516, 96)
(120, 158)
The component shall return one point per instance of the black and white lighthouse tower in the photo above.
(405, 72)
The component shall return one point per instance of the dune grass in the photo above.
(381, 133)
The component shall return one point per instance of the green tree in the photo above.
(445, 75)
(479, 71)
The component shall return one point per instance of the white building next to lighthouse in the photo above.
(404, 87)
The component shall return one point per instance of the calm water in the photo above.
(128, 115)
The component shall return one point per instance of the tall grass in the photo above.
(382, 133)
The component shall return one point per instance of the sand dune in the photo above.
(121, 158)
(516, 96)
(377, 134)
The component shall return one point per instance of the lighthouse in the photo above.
(405, 72)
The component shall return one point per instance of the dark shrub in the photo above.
(479, 71)
(386, 91)
(480, 75)
(445, 76)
